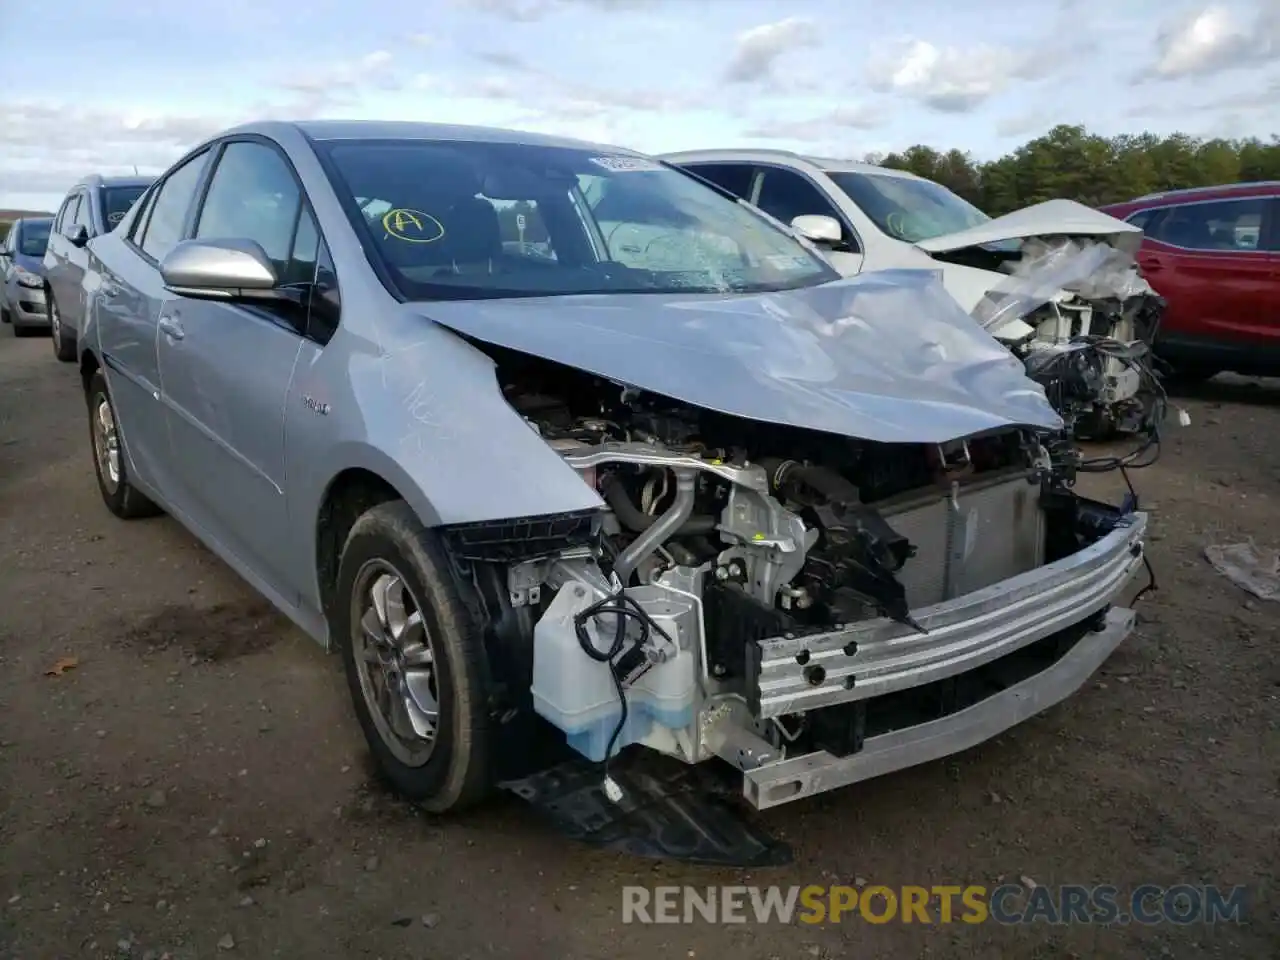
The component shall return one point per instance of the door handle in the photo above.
(1151, 263)
(171, 328)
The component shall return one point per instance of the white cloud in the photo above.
(1021, 124)
(819, 129)
(1214, 39)
(757, 50)
(949, 79)
(48, 146)
(823, 77)
(319, 89)
(527, 11)
(960, 77)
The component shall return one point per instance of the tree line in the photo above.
(1072, 163)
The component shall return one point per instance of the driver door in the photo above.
(225, 368)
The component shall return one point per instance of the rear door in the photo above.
(1208, 259)
(58, 268)
(225, 368)
(127, 305)
(8, 247)
(71, 304)
(1271, 241)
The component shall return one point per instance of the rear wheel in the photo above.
(118, 493)
(415, 661)
(64, 341)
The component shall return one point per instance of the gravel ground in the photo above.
(196, 785)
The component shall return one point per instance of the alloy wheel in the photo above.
(395, 662)
(106, 443)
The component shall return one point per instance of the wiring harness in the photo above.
(1072, 378)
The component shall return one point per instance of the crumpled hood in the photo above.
(1051, 218)
(886, 356)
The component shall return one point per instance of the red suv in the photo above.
(1214, 254)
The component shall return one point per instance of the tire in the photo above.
(64, 343)
(26, 331)
(121, 497)
(451, 771)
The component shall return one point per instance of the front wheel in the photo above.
(118, 493)
(414, 659)
(64, 341)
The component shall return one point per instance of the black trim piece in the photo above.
(518, 539)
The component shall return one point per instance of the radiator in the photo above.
(987, 531)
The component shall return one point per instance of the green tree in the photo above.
(1073, 163)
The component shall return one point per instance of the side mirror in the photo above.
(220, 270)
(818, 228)
(79, 235)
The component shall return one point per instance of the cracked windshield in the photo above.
(504, 220)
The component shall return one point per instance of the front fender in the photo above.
(435, 410)
(429, 419)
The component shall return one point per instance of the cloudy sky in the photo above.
(133, 82)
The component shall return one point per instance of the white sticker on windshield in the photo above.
(627, 164)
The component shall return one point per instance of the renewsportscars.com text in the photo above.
(972, 904)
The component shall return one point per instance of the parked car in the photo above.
(21, 281)
(1214, 255)
(717, 503)
(1039, 279)
(92, 207)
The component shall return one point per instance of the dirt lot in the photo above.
(196, 786)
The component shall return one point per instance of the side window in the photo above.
(1220, 225)
(84, 217)
(1140, 219)
(253, 196)
(69, 213)
(734, 177)
(326, 303)
(301, 267)
(786, 195)
(169, 209)
(10, 238)
(139, 223)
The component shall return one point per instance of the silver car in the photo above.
(22, 303)
(661, 483)
(92, 207)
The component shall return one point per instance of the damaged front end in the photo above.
(788, 603)
(815, 611)
(1082, 320)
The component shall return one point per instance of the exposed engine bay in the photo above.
(725, 542)
(1082, 320)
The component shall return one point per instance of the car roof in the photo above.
(329, 130)
(787, 157)
(99, 180)
(22, 220)
(1255, 188)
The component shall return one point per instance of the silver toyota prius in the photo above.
(568, 453)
